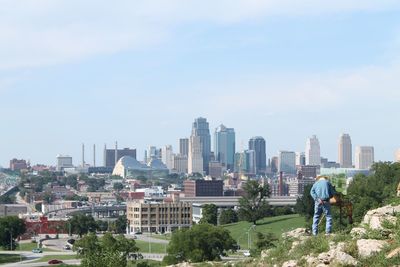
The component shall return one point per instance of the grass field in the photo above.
(28, 247)
(155, 247)
(9, 258)
(276, 225)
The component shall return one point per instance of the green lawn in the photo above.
(9, 258)
(155, 247)
(58, 257)
(162, 236)
(276, 225)
(28, 247)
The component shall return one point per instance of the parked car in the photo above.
(37, 250)
(54, 261)
(246, 253)
(66, 247)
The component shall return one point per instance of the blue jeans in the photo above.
(318, 209)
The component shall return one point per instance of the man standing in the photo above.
(321, 192)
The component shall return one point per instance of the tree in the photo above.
(228, 216)
(106, 251)
(305, 204)
(82, 224)
(118, 186)
(253, 206)
(120, 224)
(209, 214)
(11, 227)
(203, 242)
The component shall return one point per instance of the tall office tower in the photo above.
(274, 164)
(110, 155)
(345, 151)
(257, 144)
(364, 157)
(152, 153)
(180, 163)
(184, 146)
(201, 129)
(245, 162)
(287, 162)
(224, 146)
(63, 162)
(167, 156)
(195, 160)
(397, 155)
(300, 159)
(313, 152)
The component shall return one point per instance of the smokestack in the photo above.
(116, 152)
(83, 155)
(94, 155)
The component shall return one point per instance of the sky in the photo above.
(140, 72)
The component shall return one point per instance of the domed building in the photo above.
(129, 167)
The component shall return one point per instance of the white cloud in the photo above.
(46, 32)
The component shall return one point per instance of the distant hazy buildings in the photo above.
(397, 155)
(257, 144)
(184, 146)
(300, 159)
(152, 153)
(345, 151)
(287, 162)
(111, 156)
(313, 152)
(200, 128)
(167, 156)
(195, 159)
(18, 164)
(63, 161)
(180, 163)
(245, 162)
(224, 146)
(364, 157)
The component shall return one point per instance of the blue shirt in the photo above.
(322, 189)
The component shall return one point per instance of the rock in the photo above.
(395, 252)
(374, 218)
(290, 263)
(325, 258)
(367, 247)
(345, 259)
(296, 233)
(311, 261)
(358, 232)
(265, 253)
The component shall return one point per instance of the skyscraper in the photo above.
(364, 157)
(195, 160)
(287, 162)
(184, 146)
(167, 156)
(257, 144)
(313, 152)
(345, 151)
(300, 159)
(224, 146)
(201, 129)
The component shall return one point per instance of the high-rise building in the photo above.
(345, 151)
(397, 155)
(364, 157)
(300, 159)
(18, 164)
(257, 144)
(152, 153)
(287, 162)
(195, 159)
(224, 146)
(167, 156)
(274, 164)
(203, 188)
(245, 162)
(313, 152)
(180, 163)
(201, 129)
(64, 162)
(111, 156)
(184, 146)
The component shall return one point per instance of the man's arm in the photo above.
(313, 193)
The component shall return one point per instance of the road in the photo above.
(20, 200)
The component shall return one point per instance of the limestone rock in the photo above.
(374, 218)
(395, 252)
(291, 263)
(296, 233)
(367, 247)
(311, 261)
(358, 232)
(345, 259)
(265, 253)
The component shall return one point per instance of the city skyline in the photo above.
(140, 72)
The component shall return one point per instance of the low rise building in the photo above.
(12, 209)
(158, 217)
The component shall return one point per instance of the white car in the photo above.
(246, 253)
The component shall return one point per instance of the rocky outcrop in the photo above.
(358, 232)
(291, 263)
(367, 247)
(298, 233)
(375, 218)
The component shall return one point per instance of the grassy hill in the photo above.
(276, 225)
